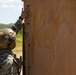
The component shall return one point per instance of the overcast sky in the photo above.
(10, 10)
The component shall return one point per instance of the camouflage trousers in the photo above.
(8, 65)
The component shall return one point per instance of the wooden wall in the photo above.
(52, 37)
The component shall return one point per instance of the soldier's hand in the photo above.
(25, 13)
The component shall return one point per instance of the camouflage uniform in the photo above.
(8, 63)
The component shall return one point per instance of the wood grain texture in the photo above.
(53, 37)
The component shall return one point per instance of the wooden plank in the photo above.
(53, 37)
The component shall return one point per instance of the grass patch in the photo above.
(18, 49)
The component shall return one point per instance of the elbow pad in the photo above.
(17, 26)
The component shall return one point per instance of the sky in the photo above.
(10, 10)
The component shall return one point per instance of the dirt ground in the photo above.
(18, 52)
(18, 49)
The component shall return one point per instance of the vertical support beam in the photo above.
(23, 52)
(26, 44)
(25, 47)
(28, 23)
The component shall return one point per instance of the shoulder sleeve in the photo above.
(17, 26)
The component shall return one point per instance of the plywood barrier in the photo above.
(52, 37)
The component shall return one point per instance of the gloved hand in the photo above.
(25, 13)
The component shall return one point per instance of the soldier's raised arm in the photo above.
(18, 25)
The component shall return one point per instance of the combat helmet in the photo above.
(7, 38)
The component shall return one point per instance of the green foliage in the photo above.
(5, 25)
(19, 36)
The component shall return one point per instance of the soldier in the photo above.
(8, 63)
